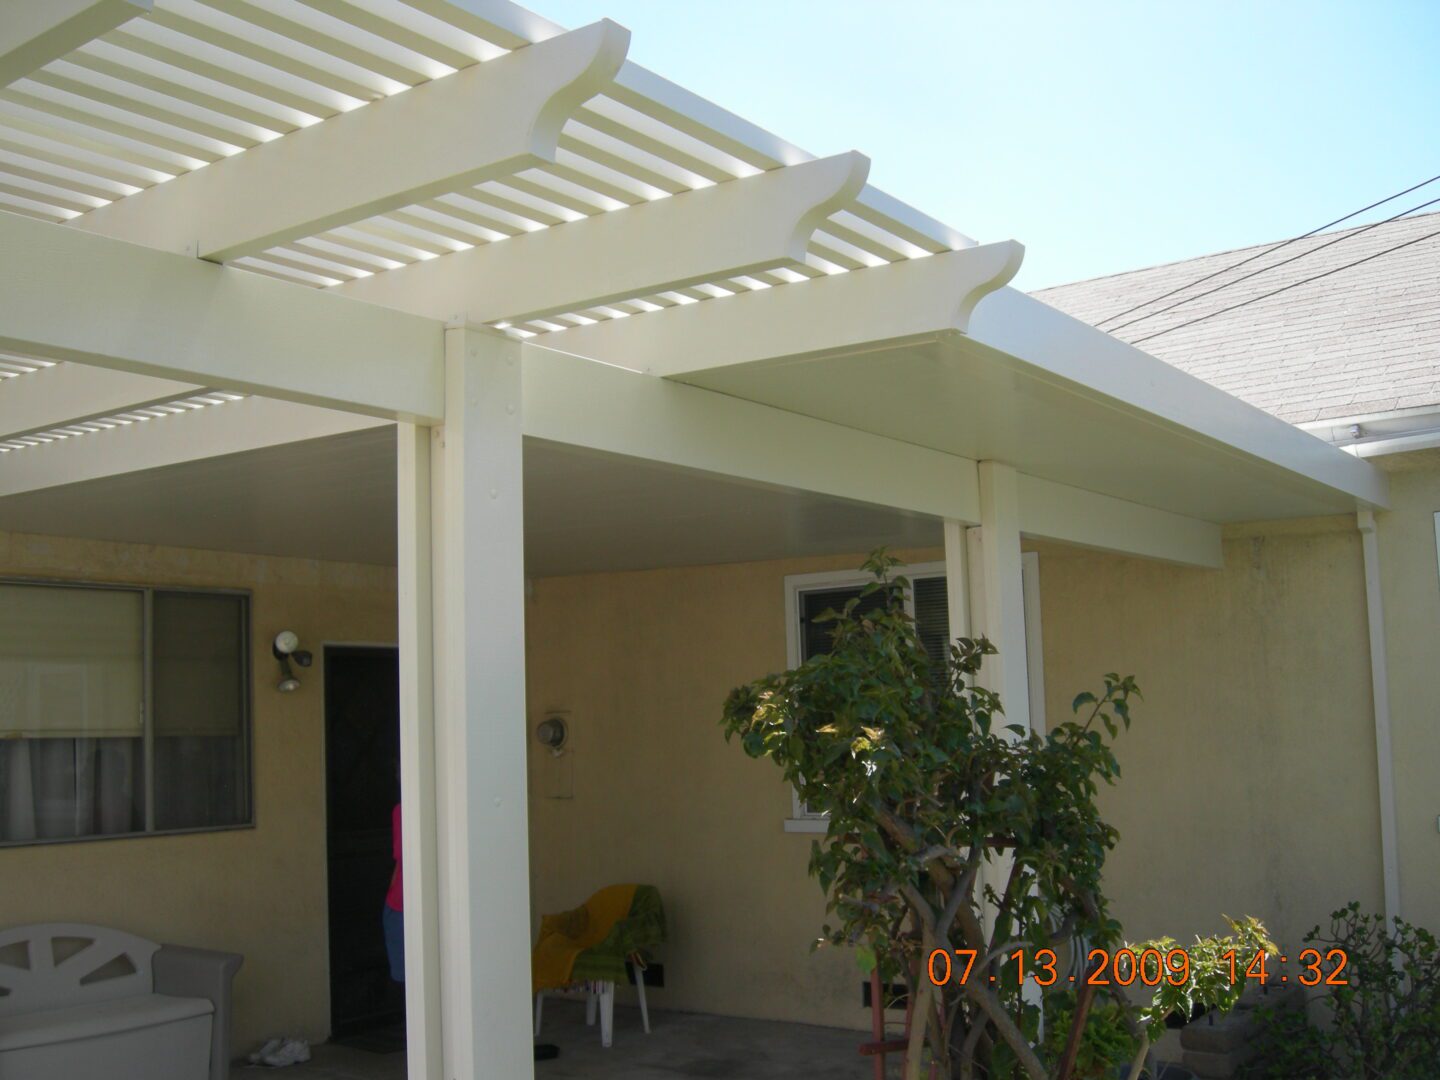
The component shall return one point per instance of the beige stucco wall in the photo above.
(260, 891)
(642, 662)
(1411, 589)
(1249, 778)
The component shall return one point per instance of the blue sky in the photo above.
(1105, 136)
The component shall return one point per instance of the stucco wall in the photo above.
(260, 891)
(642, 662)
(1411, 588)
(1249, 780)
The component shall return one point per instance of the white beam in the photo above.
(35, 32)
(512, 26)
(154, 313)
(738, 227)
(901, 301)
(419, 819)
(69, 393)
(578, 402)
(487, 121)
(481, 722)
(1051, 511)
(232, 428)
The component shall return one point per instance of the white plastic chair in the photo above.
(600, 996)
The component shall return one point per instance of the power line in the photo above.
(1262, 254)
(1273, 266)
(1285, 288)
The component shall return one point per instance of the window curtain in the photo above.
(55, 789)
(71, 709)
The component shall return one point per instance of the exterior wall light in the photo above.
(552, 733)
(286, 648)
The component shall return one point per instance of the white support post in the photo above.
(957, 580)
(997, 611)
(418, 817)
(1380, 690)
(1002, 618)
(480, 717)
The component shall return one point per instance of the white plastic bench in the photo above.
(91, 1003)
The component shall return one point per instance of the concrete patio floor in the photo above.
(681, 1046)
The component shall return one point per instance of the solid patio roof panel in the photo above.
(895, 351)
(973, 396)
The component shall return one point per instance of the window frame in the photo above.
(247, 719)
(804, 820)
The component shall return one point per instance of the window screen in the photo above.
(815, 636)
(929, 606)
(932, 617)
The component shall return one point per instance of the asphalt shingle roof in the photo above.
(1363, 340)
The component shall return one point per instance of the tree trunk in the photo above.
(1138, 1065)
(1077, 1031)
(919, 1025)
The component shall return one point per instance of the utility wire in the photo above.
(1272, 266)
(1285, 288)
(1262, 254)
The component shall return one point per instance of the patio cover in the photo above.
(234, 224)
(311, 142)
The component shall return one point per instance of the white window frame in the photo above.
(804, 820)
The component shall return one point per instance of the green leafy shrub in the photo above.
(951, 831)
(1209, 984)
(1106, 1039)
(1381, 1023)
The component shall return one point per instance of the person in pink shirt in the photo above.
(393, 918)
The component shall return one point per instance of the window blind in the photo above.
(71, 662)
(199, 665)
(932, 616)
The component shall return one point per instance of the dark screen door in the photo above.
(362, 752)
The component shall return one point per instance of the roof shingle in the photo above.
(1365, 339)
